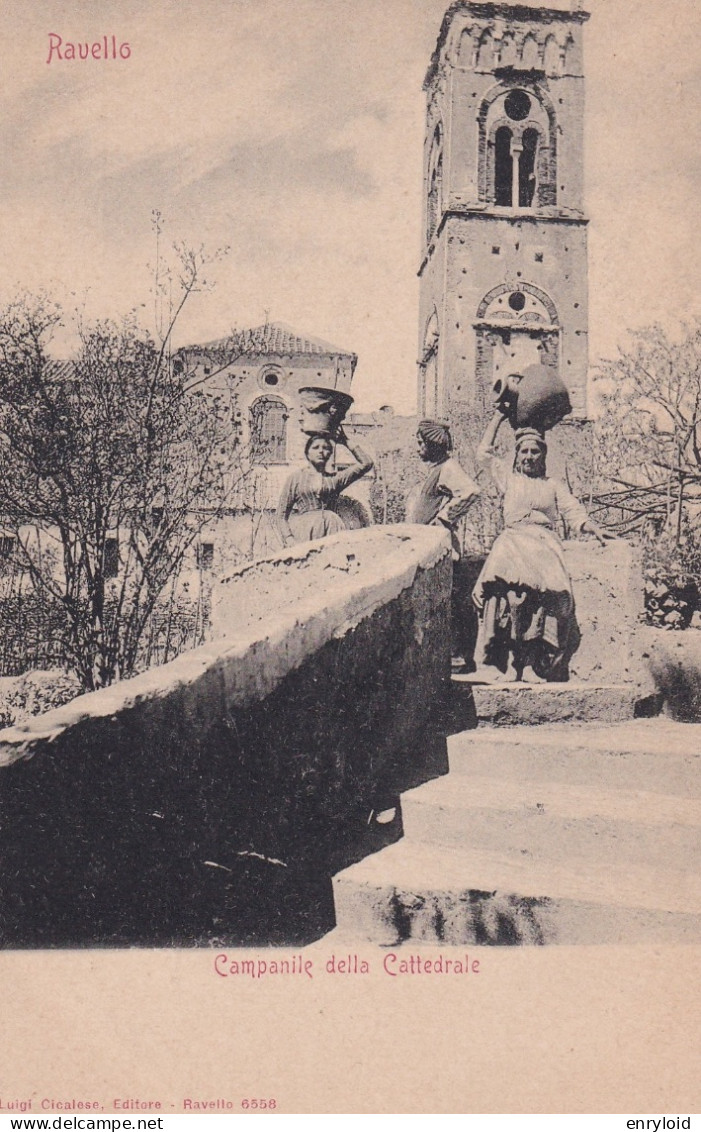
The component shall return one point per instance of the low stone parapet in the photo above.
(609, 599)
(212, 798)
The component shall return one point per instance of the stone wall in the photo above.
(608, 590)
(212, 798)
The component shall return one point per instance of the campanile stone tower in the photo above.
(504, 265)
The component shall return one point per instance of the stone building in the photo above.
(260, 378)
(504, 266)
(259, 382)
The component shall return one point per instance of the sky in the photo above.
(291, 132)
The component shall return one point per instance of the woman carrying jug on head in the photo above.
(523, 595)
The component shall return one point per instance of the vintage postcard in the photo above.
(350, 558)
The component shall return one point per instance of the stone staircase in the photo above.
(570, 832)
(505, 705)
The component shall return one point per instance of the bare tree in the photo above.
(649, 433)
(111, 465)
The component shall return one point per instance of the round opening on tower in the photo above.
(517, 301)
(517, 105)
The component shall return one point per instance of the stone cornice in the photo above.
(493, 11)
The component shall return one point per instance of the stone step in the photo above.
(429, 894)
(576, 833)
(655, 755)
(509, 705)
(544, 820)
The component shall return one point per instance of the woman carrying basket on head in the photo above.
(308, 503)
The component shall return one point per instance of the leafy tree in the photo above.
(111, 465)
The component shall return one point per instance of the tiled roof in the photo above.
(276, 338)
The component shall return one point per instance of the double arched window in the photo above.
(515, 167)
(517, 149)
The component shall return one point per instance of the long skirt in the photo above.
(525, 602)
(309, 525)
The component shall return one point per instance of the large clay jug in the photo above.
(506, 395)
(542, 399)
(322, 409)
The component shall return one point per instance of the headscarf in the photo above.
(437, 434)
(523, 434)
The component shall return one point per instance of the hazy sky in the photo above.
(292, 130)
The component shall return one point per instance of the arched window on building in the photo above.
(269, 431)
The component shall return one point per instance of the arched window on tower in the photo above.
(516, 326)
(519, 168)
(503, 167)
(269, 431)
(435, 182)
(527, 168)
(429, 367)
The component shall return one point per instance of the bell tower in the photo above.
(504, 264)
